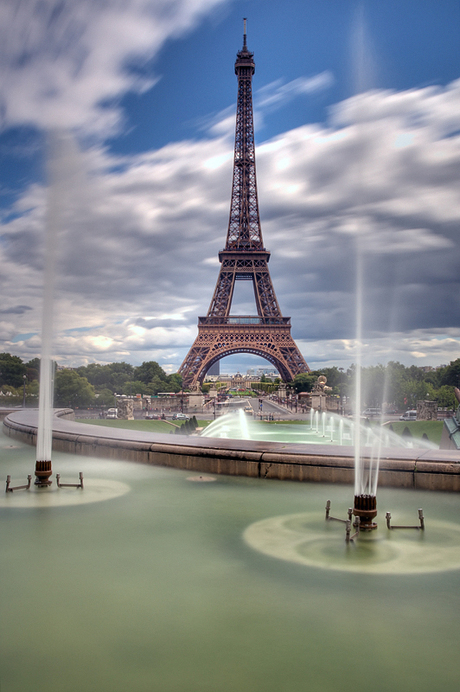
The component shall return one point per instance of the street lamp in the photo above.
(24, 377)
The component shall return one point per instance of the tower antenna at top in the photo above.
(244, 32)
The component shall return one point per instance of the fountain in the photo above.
(59, 183)
(329, 429)
(232, 584)
(180, 586)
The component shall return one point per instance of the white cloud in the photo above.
(278, 93)
(142, 234)
(64, 63)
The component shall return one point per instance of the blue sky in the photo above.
(357, 114)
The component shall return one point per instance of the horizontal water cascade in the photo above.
(238, 426)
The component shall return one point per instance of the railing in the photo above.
(243, 319)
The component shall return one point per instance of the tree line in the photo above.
(393, 384)
(93, 384)
(96, 384)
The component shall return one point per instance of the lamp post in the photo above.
(24, 378)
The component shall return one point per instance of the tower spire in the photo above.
(244, 34)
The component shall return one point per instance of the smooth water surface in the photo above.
(158, 589)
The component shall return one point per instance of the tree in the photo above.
(174, 382)
(157, 384)
(33, 369)
(445, 397)
(304, 382)
(373, 385)
(105, 398)
(72, 390)
(133, 387)
(12, 370)
(449, 376)
(112, 376)
(148, 371)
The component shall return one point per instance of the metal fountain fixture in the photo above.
(43, 481)
(364, 511)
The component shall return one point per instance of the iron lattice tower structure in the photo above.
(244, 258)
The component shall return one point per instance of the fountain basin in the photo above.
(169, 586)
(424, 469)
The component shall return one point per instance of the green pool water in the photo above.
(169, 585)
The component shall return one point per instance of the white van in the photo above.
(112, 413)
(409, 415)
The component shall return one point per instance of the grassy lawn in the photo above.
(143, 425)
(432, 428)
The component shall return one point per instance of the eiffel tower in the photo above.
(244, 258)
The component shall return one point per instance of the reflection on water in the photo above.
(157, 589)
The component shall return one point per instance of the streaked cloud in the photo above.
(142, 233)
(66, 64)
(278, 94)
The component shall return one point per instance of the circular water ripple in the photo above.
(308, 540)
(95, 490)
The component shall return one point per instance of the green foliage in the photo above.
(267, 387)
(105, 398)
(148, 371)
(174, 382)
(451, 374)
(133, 387)
(72, 390)
(12, 370)
(158, 384)
(33, 369)
(395, 384)
(112, 376)
(123, 378)
(304, 382)
(446, 398)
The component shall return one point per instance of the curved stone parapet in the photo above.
(403, 468)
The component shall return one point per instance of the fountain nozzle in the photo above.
(43, 472)
(365, 507)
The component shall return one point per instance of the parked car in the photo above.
(371, 412)
(152, 416)
(409, 415)
(180, 416)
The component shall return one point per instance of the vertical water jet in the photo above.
(43, 469)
